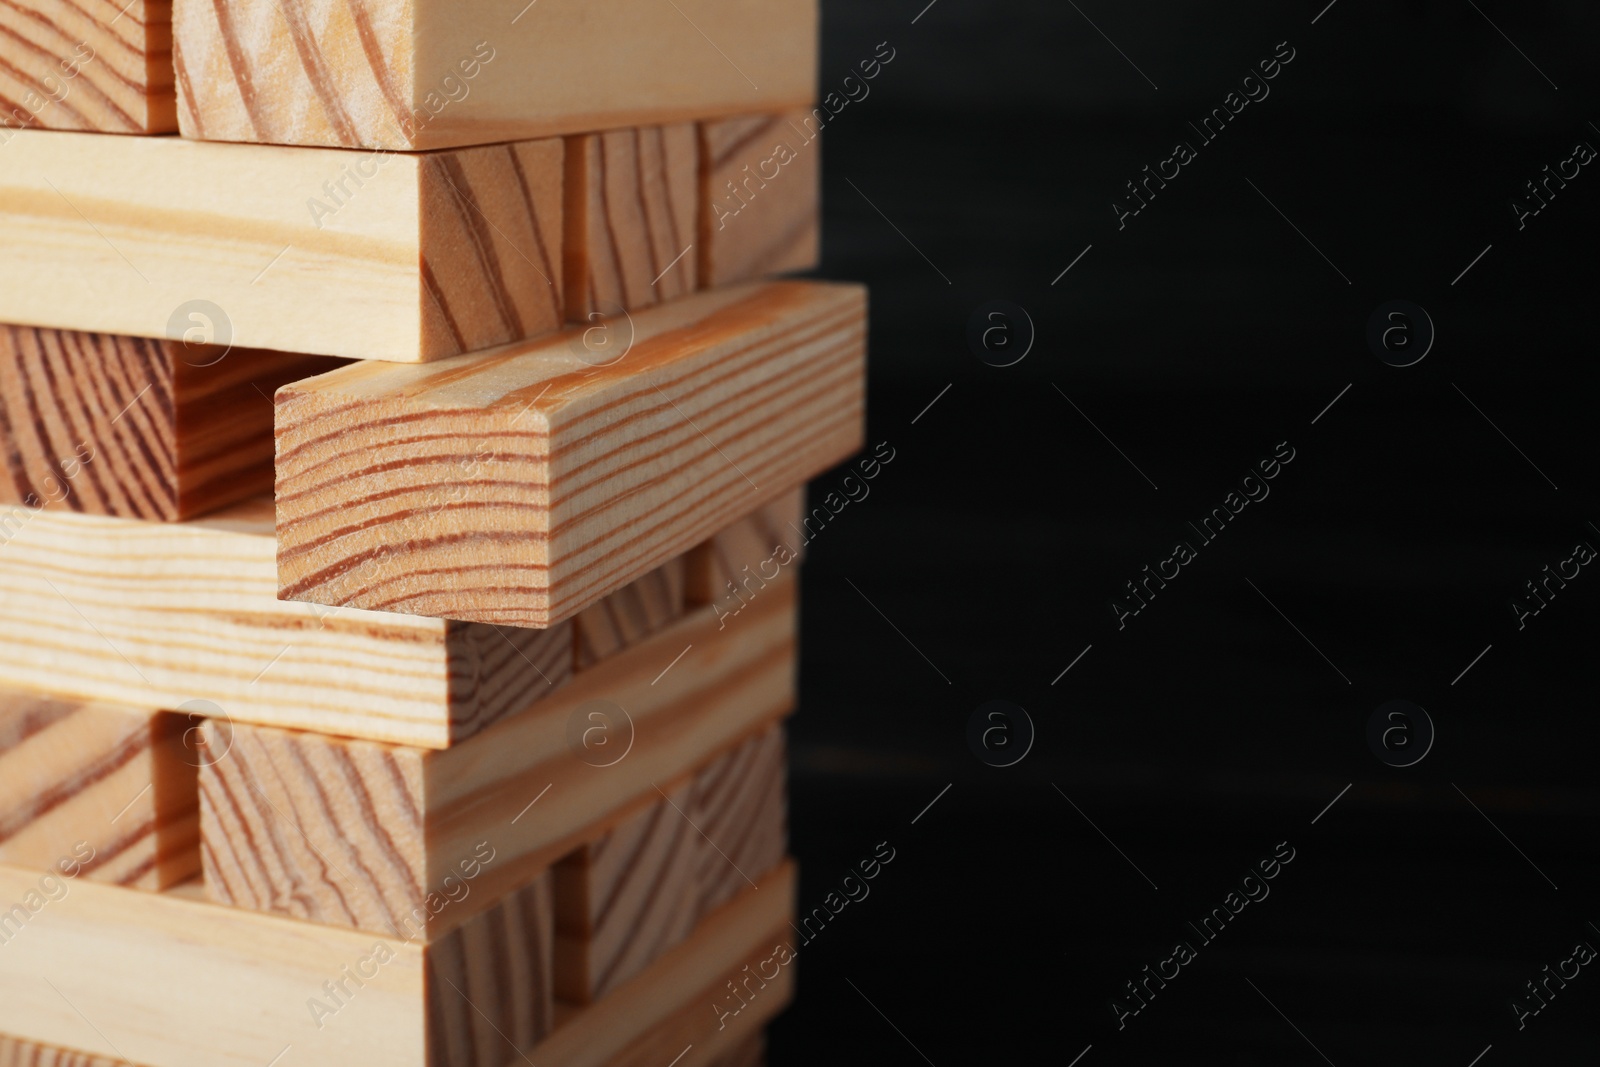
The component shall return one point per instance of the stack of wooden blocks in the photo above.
(402, 468)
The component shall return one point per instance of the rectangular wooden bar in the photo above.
(171, 981)
(363, 254)
(96, 791)
(87, 65)
(427, 74)
(144, 429)
(585, 477)
(627, 897)
(761, 182)
(403, 828)
(185, 615)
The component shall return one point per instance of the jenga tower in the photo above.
(401, 508)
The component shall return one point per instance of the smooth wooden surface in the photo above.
(631, 219)
(583, 478)
(157, 616)
(375, 836)
(361, 254)
(631, 614)
(624, 899)
(87, 65)
(107, 793)
(174, 982)
(139, 428)
(424, 74)
(740, 559)
(761, 199)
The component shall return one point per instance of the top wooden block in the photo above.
(425, 74)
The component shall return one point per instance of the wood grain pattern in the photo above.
(176, 982)
(624, 899)
(87, 65)
(740, 806)
(739, 560)
(583, 478)
(138, 428)
(489, 986)
(627, 897)
(362, 254)
(15, 1053)
(761, 198)
(631, 614)
(426, 74)
(156, 616)
(106, 793)
(631, 218)
(382, 837)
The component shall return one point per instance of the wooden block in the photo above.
(366, 254)
(631, 614)
(762, 197)
(144, 429)
(105, 793)
(741, 809)
(87, 66)
(171, 981)
(156, 616)
(375, 836)
(591, 476)
(739, 560)
(139, 963)
(425, 74)
(626, 898)
(630, 219)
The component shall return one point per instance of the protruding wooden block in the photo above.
(383, 837)
(631, 219)
(98, 792)
(631, 614)
(425, 74)
(626, 898)
(100, 65)
(761, 205)
(363, 254)
(139, 428)
(590, 477)
(151, 615)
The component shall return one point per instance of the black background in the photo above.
(1217, 723)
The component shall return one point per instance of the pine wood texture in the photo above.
(106, 793)
(87, 65)
(489, 987)
(583, 478)
(377, 836)
(139, 428)
(176, 982)
(761, 197)
(630, 217)
(739, 560)
(156, 616)
(425, 74)
(631, 614)
(629, 896)
(625, 899)
(360, 254)
(14, 1053)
